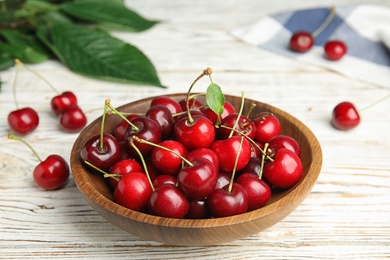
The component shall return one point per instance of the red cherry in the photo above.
(52, 173)
(259, 192)
(124, 167)
(267, 126)
(197, 180)
(335, 50)
(192, 104)
(162, 179)
(301, 41)
(283, 141)
(133, 191)
(163, 116)
(345, 116)
(285, 170)
(168, 162)
(223, 180)
(206, 153)
(197, 134)
(244, 125)
(228, 109)
(227, 151)
(121, 127)
(222, 203)
(23, 121)
(197, 209)
(61, 102)
(73, 119)
(101, 157)
(168, 201)
(170, 103)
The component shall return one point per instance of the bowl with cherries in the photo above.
(195, 169)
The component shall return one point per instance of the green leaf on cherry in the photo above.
(215, 99)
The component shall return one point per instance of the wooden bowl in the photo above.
(200, 232)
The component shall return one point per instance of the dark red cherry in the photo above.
(301, 41)
(345, 116)
(259, 192)
(193, 104)
(23, 121)
(283, 141)
(124, 167)
(244, 125)
(168, 161)
(168, 102)
(267, 126)
(162, 179)
(101, 157)
(197, 209)
(206, 153)
(163, 116)
(52, 173)
(121, 127)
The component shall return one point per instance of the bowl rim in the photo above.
(301, 189)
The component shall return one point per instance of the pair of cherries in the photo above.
(303, 41)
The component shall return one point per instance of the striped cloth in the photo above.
(364, 28)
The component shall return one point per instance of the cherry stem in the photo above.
(142, 161)
(18, 62)
(106, 104)
(140, 140)
(207, 71)
(123, 117)
(253, 105)
(239, 115)
(235, 166)
(17, 138)
(14, 87)
(105, 174)
(325, 23)
(373, 104)
(263, 156)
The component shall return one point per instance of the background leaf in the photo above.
(95, 53)
(111, 13)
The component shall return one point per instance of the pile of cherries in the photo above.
(180, 159)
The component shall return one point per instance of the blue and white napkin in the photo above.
(364, 28)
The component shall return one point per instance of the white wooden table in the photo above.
(346, 216)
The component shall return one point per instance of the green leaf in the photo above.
(95, 53)
(111, 13)
(215, 98)
(6, 63)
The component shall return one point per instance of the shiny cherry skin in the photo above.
(223, 180)
(283, 141)
(335, 50)
(345, 116)
(168, 201)
(206, 153)
(162, 179)
(259, 192)
(52, 173)
(285, 171)
(23, 121)
(73, 119)
(197, 209)
(149, 130)
(267, 126)
(133, 191)
(123, 167)
(301, 41)
(197, 180)
(168, 162)
(101, 158)
(168, 102)
(228, 109)
(227, 151)
(222, 203)
(62, 101)
(253, 166)
(163, 116)
(120, 129)
(244, 125)
(197, 134)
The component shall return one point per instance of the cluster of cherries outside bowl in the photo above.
(189, 159)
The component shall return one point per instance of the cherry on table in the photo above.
(301, 41)
(73, 119)
(61, 102)
(345, 116)
(335, 50)
(49, 174)
(23, 121)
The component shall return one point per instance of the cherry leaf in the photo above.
(215, 98)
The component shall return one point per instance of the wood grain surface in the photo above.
(347, 214)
